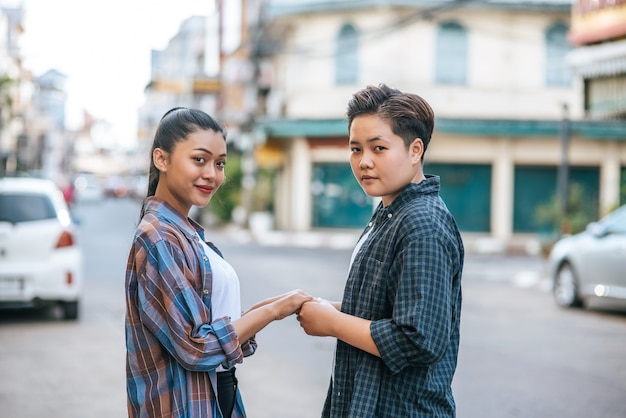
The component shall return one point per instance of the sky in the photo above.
(103, 47)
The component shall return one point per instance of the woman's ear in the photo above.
(417, 150)
(159, 157)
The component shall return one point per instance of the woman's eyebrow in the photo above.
(376, 138)
(208, 152)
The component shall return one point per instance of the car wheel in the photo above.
(566, 287)
(70, 310)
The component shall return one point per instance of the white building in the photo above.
(15, 91)
(182, 74)
(496, 75)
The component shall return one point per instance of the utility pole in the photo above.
(563, 174)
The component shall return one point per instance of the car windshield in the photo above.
(19, 207)
(616, 221)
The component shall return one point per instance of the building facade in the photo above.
(509, 110)
(33, 136)
(181, 75)
(15, 91)
(599, 56)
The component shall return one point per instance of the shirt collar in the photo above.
(164, 210)
(430, 185)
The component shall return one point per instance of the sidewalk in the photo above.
(345, 239)
(335, 239)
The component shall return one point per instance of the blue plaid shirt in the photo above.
(406, 278)
(173, 343)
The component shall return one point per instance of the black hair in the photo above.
(175, 125)
(409, 115)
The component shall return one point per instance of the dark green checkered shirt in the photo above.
(406, 278)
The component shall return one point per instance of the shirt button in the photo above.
(389, 215)
(205, 291)
(205, 258)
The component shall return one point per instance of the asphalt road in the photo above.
(520, 355)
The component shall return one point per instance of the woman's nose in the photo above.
(365, 161)
(209, 171)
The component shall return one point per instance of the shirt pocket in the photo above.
(371, 296)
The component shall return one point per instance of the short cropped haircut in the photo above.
(409, 115)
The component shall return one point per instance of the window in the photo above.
(16, 207)
(557, 47)
(451, 54)
(615, 222)
(347, 65)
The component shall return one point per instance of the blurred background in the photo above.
(529, 142)
(529, 98)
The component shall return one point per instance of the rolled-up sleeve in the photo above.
(419, 330)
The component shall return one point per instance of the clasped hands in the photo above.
(318, 316)
(321, 318)
(315, 315)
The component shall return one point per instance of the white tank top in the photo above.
(226, 296)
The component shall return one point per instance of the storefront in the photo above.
(497, 177)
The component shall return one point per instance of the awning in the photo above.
(334, 128)
(599, 60)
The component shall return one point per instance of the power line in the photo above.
(325, 47)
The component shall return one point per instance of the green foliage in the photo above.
(6, 101)
(263, 194)
(578, 214)
(622, 193)
(229, 194)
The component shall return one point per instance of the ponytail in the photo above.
(175, 125)
(153, 181)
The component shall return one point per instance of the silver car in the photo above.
(592, 263)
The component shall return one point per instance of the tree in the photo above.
(578, 214)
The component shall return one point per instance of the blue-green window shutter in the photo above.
(347, 58)
(451, 54)
(557, 71)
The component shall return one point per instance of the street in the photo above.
(520, 355)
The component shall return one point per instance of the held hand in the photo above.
(268, 310)
(269, 301)
(290, 303)
(317, 317)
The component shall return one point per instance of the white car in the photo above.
(591, 264)
(40, 260)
